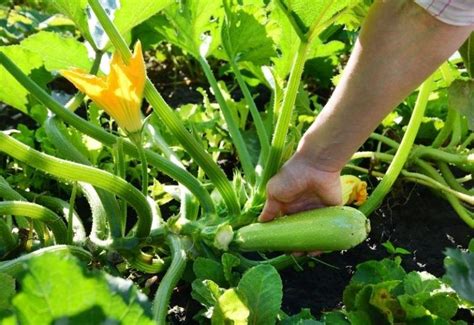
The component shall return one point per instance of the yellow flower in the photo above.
(354, 190)
(119, 94)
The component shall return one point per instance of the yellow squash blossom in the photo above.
(354, 190)
(120, 93)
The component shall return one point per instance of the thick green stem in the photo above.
(60, 207)
(167, 115)
(456, 135)
(169, 281)
(137, 139)
(375, 199)
(108, 139)
(234, 131)
(70, 216)
(467, 142)
(420, 179)
(451, 180)
(452, 115)
(372, 155)
(119, 162)
(257, 119)
(462, 212)
(80, 173)
(37, 212)
(6, 235)
(9, 194)
(278, 142)
(280, 262)
(428, 181)
(16, 266)
(386, 140)
(441, 155)
(189, 207)
(202, 158)
(104, 205)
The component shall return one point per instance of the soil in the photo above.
(414, 218)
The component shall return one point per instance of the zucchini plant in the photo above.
(214, 224)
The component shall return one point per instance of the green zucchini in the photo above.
(326, 229)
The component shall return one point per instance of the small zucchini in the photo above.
(326, 229)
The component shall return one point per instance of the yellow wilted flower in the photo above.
(120, 93)
(354, 190)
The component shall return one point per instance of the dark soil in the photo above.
(414, 219)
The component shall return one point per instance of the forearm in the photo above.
(400, 45)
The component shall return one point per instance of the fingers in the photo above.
(271, 210)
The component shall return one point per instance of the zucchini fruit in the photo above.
(327, 229)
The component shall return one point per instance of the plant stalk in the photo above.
(37, 212)
(260, 127)
(77, 172)
(278, 142)
(234, 131)
(167, 115)
(169, 281)
(108, 139)
(377, 196)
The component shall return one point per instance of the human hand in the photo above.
(300, 186)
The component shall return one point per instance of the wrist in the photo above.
(319, 156)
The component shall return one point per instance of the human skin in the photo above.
(399, 46)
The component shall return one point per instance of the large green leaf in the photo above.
(129, 13)
(11, 92)
(461, 98)
(75, 10)
(230, 309)
(310, 14)
(467, 54)
(245, 37)
(57, 288)
(207, 292)
(132, 12)
(460, 271)
(206, 268)
(188, 22)
(373, 272)
(7, 290)
(263, 290)
(287, 41)
(58, 52)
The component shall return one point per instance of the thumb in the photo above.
(271, 210)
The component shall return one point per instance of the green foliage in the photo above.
(460, 271)
(11, 92)
(467, 54)
(391, 249)
(383, 293)
(129, 14)
(69, 293)
(461, 99)
(58, 52)
(245, 37)
(7, 291)
(308, 15)
(256, 299)
(192, 25)
(262, 288)
(304, 317)
(230, 308)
